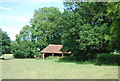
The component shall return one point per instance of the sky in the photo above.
(15, 14)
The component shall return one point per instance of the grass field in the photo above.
(49, 69)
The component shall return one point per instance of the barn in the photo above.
(52, 50)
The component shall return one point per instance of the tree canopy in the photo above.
(83, 27)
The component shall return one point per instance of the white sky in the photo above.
(15, 14)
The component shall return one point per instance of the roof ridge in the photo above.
(54, 44)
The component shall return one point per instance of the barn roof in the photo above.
(51, 48)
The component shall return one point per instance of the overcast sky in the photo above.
(14, 14)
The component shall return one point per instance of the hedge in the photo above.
(108, 59)
(72, 58)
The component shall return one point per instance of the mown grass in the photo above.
(52, 69)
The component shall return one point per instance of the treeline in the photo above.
(84, 28)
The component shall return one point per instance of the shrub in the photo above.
(78, 58)
(67, 58)
(108, 59)
(53, 58)
(36, 54)
(19, 54)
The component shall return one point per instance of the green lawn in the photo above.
(49, 69)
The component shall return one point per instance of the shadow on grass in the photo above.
(71, 59)
(77, 61)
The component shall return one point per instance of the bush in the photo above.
(67, 58)
(76, 58)
(108, 59)
(19, 54)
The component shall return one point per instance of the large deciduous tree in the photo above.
(86, 27)
(45, 28)
(23, 47)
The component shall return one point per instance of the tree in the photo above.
(86, 27)
(25, 34)
(45, 29)
(82, 28)
(113, 14)
(5, 42)
(23, 46)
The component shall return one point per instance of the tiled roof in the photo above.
(51, 48)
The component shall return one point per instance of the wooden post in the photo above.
(52, 54)
(43, 56)
(62, 55)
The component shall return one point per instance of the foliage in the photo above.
(84, 29)
(53, 58)
(108, 59)
(45, 29)
(19, 54)
(23, 47)
(67, 59)
(5, 42)
(23, 50)
(87, 28)
(113, 14)
(73, 59)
